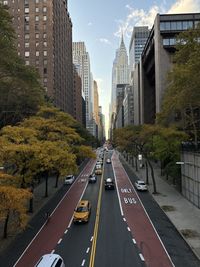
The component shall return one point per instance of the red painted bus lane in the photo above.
(49, 235)
(142, 229)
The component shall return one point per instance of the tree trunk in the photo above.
(136, 165)
(147, 172)
(153, 178)
(5, 230)
(46, 184)
(57, 177)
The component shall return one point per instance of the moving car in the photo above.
(50, 260)
(69, 179)
(140, 185)
(108, 161)
(98, 166)
(109, 184)
(82, 211)
(92, 178)
(98, 172)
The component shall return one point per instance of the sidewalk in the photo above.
(184, 215)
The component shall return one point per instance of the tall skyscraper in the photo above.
(137, 43)
(44, 40)
(120, 75)
(81, 57)
(120, 71)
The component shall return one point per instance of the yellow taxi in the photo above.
(82, 212)
(98, 171)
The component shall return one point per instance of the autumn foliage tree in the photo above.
(182, 97)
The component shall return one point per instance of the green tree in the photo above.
(182, 97)
(21, 91)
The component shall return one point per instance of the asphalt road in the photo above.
(117, 233)
(176, 246)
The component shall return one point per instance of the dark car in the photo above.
(92, 178)
(109, 184)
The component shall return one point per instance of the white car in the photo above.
(69, 179)
(108, 161)
(140, 185)
(98, 166)
(49, 260)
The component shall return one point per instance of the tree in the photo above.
(21, 91)
(182, 97)
(13, 204)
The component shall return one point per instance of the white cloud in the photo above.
(105, 41)
(89, 23)
(141, 17)
(185, 6)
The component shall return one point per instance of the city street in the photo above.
(119, 231)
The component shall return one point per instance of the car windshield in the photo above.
(141, 183)
(81, 209)
(68, 177)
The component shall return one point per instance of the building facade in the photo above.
(157, 61)
(44, 40)
(128, 106)
(81, 58)
(78, 115)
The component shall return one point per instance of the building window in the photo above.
(27, 62)
(44, 35)
(27, 27)
(45, 44)
(36, 1)
(27, 53)
(36, 44)
(44, 9)
(37, 9)
(36, 18)
(26, 10)
(26, 18)
(26, 45)
(5, 2)
(37, 35)
(45, 62)
(26, 36)
(37, 53)
(45, 53)
(45, 80)
(45, 70)
(44, 18)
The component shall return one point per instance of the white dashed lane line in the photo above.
(124, 219)
(141, 256)
(88, 249)
(134, 241)
(128, 229)
(66, 231)
(59, 241)
(52, 251)
(91, 239)
(83, 263)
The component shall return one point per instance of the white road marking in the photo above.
(59, 241)
(134, 241)
(141, 257)
(91, 238)
(52, 251)
(124, 219)
(83, 263)
(66, 231)
(128, 229)
(70, 222)
(88, 249)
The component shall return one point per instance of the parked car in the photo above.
(50, 260)
(69, 179)
(108, 161)
(92, 178)
(109, 184)
(140, 185)
(98, 166)
(82, 212)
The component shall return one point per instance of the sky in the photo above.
(99, 23)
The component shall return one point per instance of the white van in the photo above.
(50, 260)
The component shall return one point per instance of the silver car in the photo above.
(140, 185)
(69, 179)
